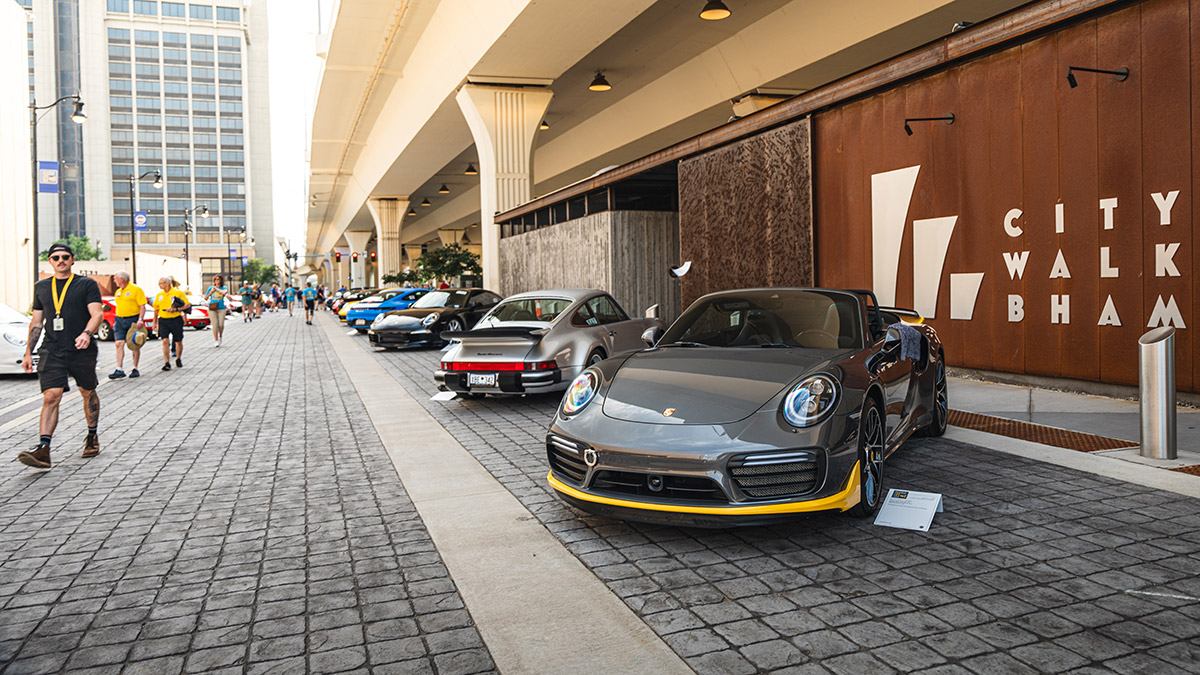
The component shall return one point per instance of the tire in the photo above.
(871, 438)
(941, 403)
(105, 332)
(595, 357)
(361, 331)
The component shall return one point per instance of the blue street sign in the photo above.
(233, 254)
(139, 221)
(48, 177)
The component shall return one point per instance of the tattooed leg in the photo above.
(91, 407)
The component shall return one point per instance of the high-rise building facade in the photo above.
(170, 87)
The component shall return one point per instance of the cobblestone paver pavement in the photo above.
(242, 517)
(1032, 568)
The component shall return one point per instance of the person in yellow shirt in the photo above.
(131, 311)
(169, 307)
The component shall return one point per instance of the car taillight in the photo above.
(541, 365)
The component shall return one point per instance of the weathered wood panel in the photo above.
(745, 213)
(1025, 146)
(574, 254)
(645, 245)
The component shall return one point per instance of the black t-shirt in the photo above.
(79, 294)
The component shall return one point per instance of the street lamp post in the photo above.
(241, 254)
(201, 211)
(78, 117)
(133, 182)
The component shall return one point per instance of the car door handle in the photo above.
(611, 334)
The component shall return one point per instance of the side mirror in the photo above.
(652, 312)
(891, 343)
(652, 335)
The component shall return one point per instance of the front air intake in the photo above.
(777, 474)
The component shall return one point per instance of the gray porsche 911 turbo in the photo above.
(755, 405)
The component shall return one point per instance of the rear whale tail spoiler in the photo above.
(496, 334)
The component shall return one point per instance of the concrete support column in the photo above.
(414, 254)
(358, 270)
(448, 237)
(504, 122)
(388, 214)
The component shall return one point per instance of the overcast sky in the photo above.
(294, 69)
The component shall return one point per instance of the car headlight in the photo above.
(810, 401)
(384, 320)
(15, 339)
(429, 319)
(581, 392)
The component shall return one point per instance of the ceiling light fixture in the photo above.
(471, 170)
(599, 83)
(543, 126)
(425, 202)
(443, 190)
(411, 211)
(715, 10)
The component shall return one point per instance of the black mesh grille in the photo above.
(682, 488)
(566, 458)
(772, 475)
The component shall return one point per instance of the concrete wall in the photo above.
(626, 253)
(16, 182)
(745, 213)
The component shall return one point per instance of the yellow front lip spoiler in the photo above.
(841, 501)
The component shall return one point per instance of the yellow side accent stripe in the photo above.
(841, 501)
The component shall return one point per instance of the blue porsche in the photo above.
(363, 313)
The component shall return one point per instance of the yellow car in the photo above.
(356, 297)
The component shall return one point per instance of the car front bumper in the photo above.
(403, 338)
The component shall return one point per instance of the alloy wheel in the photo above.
(942, 396)
(872, 457)
(454, 325)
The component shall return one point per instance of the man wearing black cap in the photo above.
(67, 308)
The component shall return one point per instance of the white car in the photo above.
(14, 331)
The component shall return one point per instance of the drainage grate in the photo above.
(1194, 469)
(1026, 431)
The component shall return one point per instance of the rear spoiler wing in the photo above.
(530, 335)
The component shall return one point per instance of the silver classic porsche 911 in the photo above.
(538, 342)
(755, 405)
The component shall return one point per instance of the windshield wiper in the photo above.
(684, 344)
(777, 345)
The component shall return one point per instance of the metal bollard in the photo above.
(1156, 360)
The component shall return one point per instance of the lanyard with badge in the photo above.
(58, 324)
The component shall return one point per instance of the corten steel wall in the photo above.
(745, 213)
(626, 253)
(1023, 139)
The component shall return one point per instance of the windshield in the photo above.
(442, 299)
(793, 318)
(526, 309)
(10, 315)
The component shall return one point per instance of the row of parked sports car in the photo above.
(754, 405)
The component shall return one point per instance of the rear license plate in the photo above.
(481, 379)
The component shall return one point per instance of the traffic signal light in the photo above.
(354, 257)
(372, 256)
(337, 256)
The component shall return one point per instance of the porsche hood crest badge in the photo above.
(668, 412)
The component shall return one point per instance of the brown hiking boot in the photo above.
(91, 447)
(38, 459)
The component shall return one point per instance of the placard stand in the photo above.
(909, 510)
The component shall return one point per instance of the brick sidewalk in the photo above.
(1032, 568)
(243, 517)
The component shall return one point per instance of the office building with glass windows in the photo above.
(178, 88)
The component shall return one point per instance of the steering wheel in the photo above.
(819, 332)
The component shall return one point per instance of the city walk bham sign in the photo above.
(891, 193)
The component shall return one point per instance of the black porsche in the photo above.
(448, 309)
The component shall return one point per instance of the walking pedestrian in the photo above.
(66, 314)
(247, 302)
(169, 307)
(216, 306)
(310, 303)
(258, 300)
(274, 297)
(131, 311)
(290, 296)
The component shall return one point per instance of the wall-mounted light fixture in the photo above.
(714, 10)
(543, 126)
(1121, 74)
(960, 25)
(471, 170)
(443, 190)
(948, 119)
(425, 202)
(599, 83)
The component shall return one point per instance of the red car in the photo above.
(197, 318)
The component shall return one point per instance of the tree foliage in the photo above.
(81, 246)
(401, 278)
(257, 271)
(447, 262)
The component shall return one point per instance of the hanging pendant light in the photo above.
(471, 170)
(411, 211)
(425, 202)
(599, 83)
(715, 10)
(443, 190)
(543, 126)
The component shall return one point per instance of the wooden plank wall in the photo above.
(745, 213)
(645, 246)
(1023, 138)
(626, 253)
